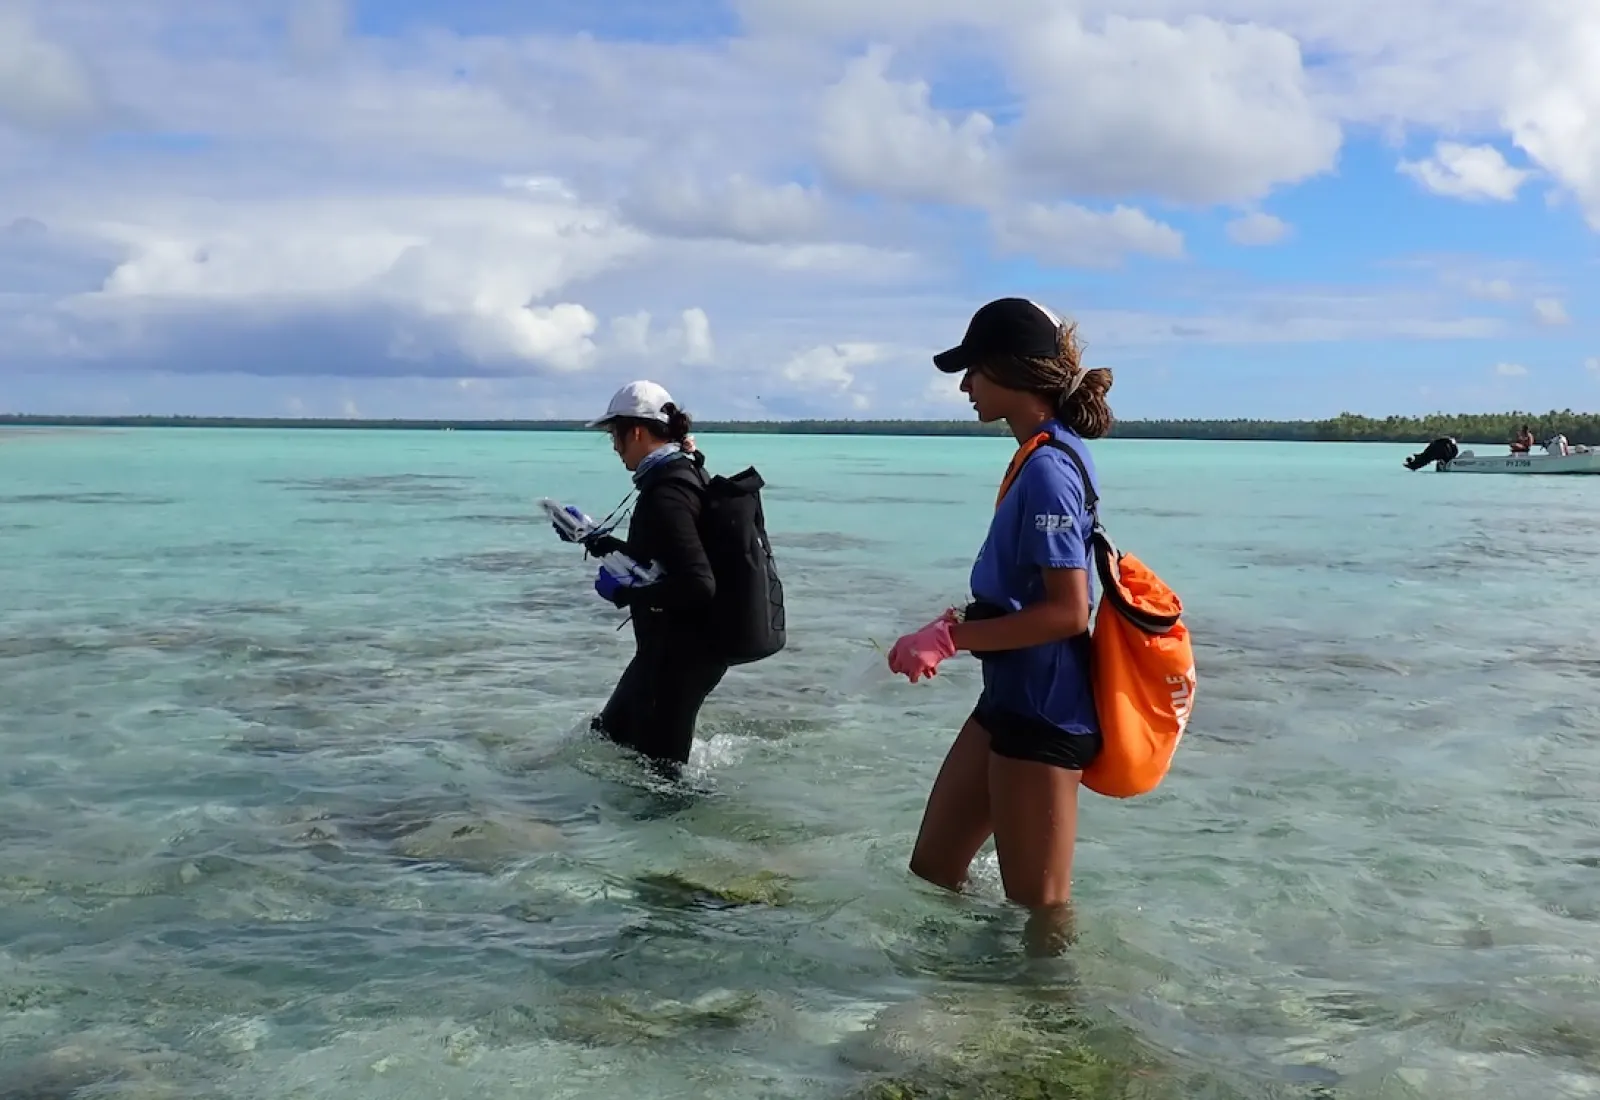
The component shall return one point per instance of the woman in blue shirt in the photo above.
(1015, 767)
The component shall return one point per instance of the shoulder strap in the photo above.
(1027, 450)
(1090, 497)
(678, 469)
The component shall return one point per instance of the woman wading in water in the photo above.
(1015, 767)
(676, 664)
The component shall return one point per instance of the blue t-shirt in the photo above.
(1043, 523)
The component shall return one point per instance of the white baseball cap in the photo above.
(640, 400)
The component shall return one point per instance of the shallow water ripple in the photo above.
(297, 800)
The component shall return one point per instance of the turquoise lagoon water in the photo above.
(295, 800)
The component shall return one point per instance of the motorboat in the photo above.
(1576, 462)
(1558, 458)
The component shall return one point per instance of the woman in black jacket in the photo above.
(675, 664)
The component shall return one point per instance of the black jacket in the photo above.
(665, 529)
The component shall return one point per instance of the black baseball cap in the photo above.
(1006, 326)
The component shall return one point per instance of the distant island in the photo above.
(1478, 428)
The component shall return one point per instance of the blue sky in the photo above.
(784, 207)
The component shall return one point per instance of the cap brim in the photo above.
(611, 418)
(955, 360)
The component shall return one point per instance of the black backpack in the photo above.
(747, 614)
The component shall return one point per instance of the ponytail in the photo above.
(678, 424)
(1077, 395)
(1082, 407)
(675, 430)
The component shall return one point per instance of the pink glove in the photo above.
(916, 656)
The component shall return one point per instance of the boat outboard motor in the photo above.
(1442, 449)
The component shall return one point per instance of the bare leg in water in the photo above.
(1031, 809)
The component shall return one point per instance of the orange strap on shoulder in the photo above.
(1016, 465)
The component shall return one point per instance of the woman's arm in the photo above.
(673, 516)
(1063, 613)
(1052, 512)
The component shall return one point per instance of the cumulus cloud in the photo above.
(44, 87)
(1551, 311)
(1497, 290)
(1552, 107)
(944, 391)
(448, 284)
(698, 346)
(1228, 117)
(1522, 71)
(882, 135)
(1510, 370)
(1474, 173)
(474, 278)
(831, 366)
(1257, 230)
(737, 209)
(689, 342)
(1073, 236)
(293, 193)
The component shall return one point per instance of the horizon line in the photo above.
(568, 424)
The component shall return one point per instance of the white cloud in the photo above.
(317, 29)
(831, 366)
(1592, 364)
(289, 192)
(1230, 118)
(1496, 290)
(43, 85)
(469, 251)
(633, 337)
(1289, 316)
(1551, 311)
(1510, 370)
(944, 390)
(1521, 71)
(630, 335)
(552, 336)
(738, 209)
(1467, 172)
(881, 135)
(846, 18)
(1198, 111)
(698, 347)
(1073, 236)
(475, 276)
(1552, 108)
(1257, 230)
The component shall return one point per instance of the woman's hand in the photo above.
(917, 655)
(603, 543)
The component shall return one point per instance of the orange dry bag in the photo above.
(1141, 663)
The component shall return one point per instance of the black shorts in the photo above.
(1024, 737)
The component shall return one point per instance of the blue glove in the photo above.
(611, 588)
(573, 511)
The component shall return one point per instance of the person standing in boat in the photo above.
(1523, 442)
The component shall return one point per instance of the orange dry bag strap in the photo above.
(1044, 439)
